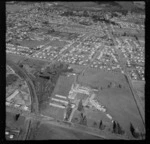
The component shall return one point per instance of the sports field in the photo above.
(62, 88)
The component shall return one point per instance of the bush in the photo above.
(11, 78)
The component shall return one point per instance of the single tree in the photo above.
(95, 124)
(82, 116)
(101, 125)
(110, 84)
(84, 120)
(114, 127)
(68, 112)
(120, 130)
(80, 106)
(132, 129)
(17, 116)
(119, 85)
(134, 132)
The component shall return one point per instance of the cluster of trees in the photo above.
(111, 85)
(83, 119)
(117, 129)
(136, 133)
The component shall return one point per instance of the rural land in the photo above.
(75, 70)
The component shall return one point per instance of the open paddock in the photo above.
(97, 78)
(119, 102)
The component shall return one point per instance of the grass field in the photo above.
(63, 85)
(15, 7)
(58, 43)
(11, 123)
(127, 5)
(99, 78)
(139, 87)
(35, 63)
(15, 58)
(33, 43)
(118, 101)
(77, 68)
(47, 131)
(55, 112)
(79, 4)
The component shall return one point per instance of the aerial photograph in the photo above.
(75, 70)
